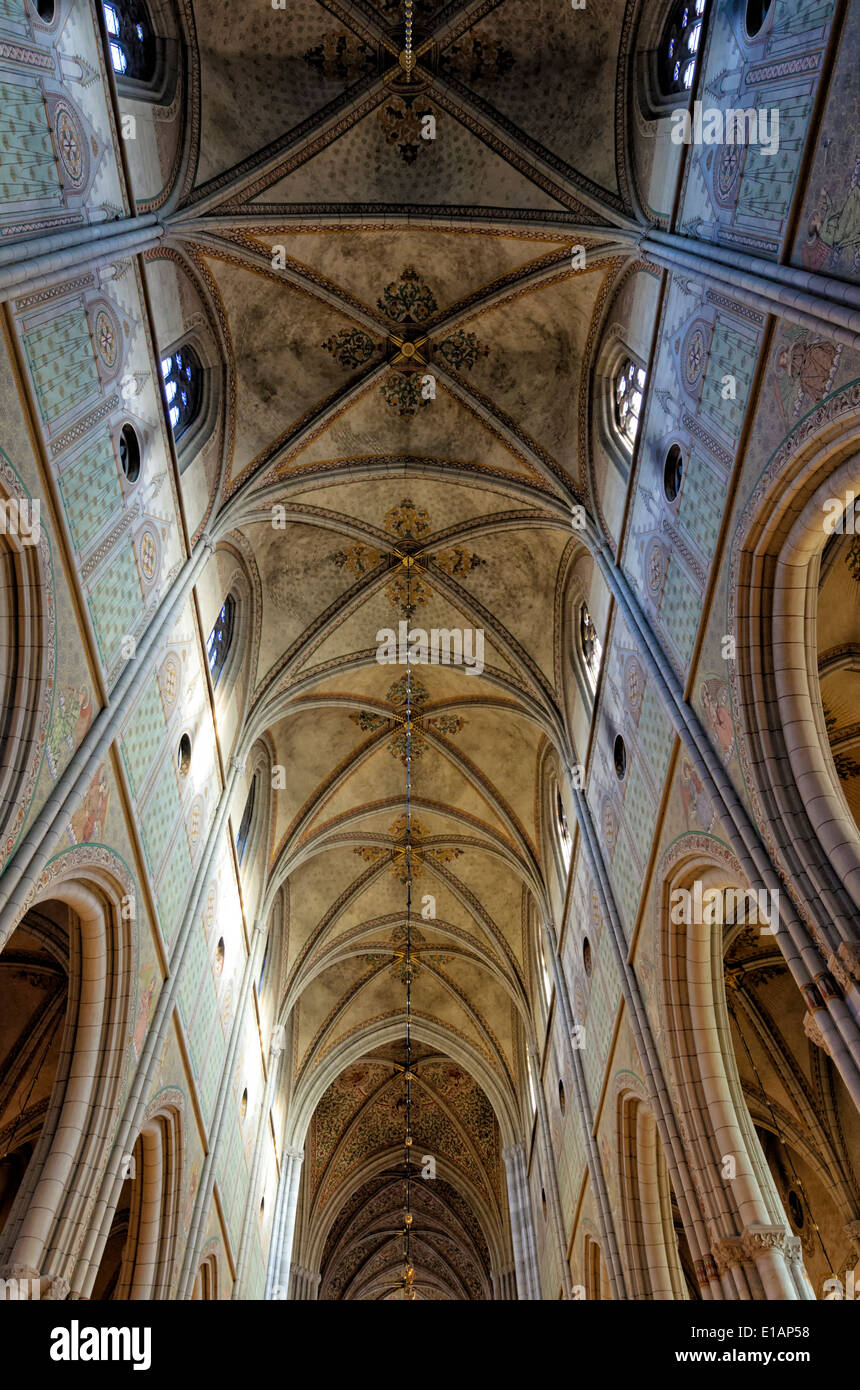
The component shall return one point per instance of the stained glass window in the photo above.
(181, 381)
(629, 391)
(131, 42)
(679, 50)
(220, 638)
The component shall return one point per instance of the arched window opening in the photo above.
(35, 990)
(658, 1252)
(183, 756)
(182, 384)
(131, 41)
(673, 472)
(129, 453)
(757, 12)
(263, 969)
(205, 1288)
(221, 638)
(563, 831)
(245, 823)
(562, 1101)
(597, 1284)
(591, 646)
(629, 393)
(679, 49)
(546, 977)
(137, 1261)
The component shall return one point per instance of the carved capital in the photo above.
(813, 1031)
(758, 1239)
(513, 1153)
(852, 1230)
(848, 956)
(728, 1253)
(54, 1290)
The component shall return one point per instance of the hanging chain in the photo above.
(408, 1272)
(407, 57)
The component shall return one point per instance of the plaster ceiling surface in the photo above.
(331, 233)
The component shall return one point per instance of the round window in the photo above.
(183, 755)
(757, 11)
(673, 472)
(129, 453)
(619, 755)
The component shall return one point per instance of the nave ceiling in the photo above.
(312, 232)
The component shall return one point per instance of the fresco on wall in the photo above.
(739, 195)
(625, 808)
(828, 237)
(702, 380)
(59, 166)
(789, 408)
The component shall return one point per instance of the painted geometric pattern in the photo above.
(159, 817)
(115, 601)
(626, 883)
(177, 871)
(655, 733)
(700, 508)
(639, 809)
(200, 1026)
(227, 1158)
(191, 977)
(602, 1007)
(680, 609)
(142, 736)
(255, 1271)
(62, 363)
(732, 354)
(210, 1077)
(91, 492)
(234, 1186)
(768, 180)
(28, 168)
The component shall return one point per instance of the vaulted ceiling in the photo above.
(329, 235)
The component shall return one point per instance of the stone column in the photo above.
(282, 1239)
(595, 1167)
(814, 301)
(33, 268)
(522, 1226)
(305, 1286)
(275, 1051)
(552, 1188)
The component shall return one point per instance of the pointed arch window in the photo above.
(131, 41)
(263, 969)
(563, 829)
(182, 384)
(220, 639)
(629, 393)
(245, 823)
(592, 649)
(679, 48)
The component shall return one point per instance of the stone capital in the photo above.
(757, 1239)
(728, 1253)
(514, 1153)
(812, 1029)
